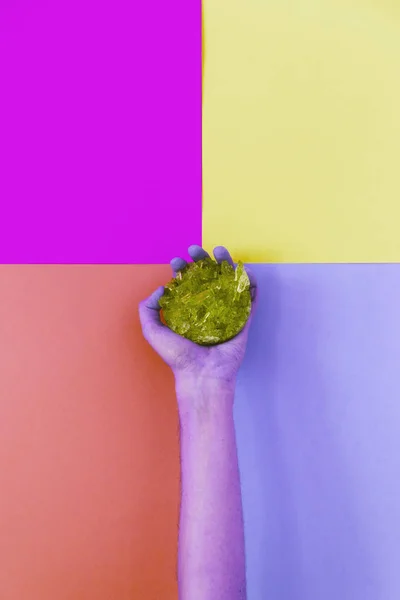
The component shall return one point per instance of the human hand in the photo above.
(220, 362)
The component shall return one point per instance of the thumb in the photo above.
(160, 337)
(149, 315)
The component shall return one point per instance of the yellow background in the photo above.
(301, 130)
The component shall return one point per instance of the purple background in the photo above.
(318, 425)
(100, 130)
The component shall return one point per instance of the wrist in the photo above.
(191, 384)
(197, 393)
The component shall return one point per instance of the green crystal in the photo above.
(207, 302)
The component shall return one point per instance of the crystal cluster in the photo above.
(207, 302)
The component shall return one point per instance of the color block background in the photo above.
(89, 455)
(100, 130)
(300, 160)
(318, 427)
(301, 130)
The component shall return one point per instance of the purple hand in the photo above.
(220, 362)
(211, 557)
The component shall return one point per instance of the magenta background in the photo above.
(100, 131)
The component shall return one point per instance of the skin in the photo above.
(211, 558)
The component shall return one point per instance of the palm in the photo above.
(183, 355)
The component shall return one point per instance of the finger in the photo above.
(177, 264)
(197, 253)
(221, 254)
(149, 314)
(254, 299)
(244, 332)
(153, 301)
(253, 283)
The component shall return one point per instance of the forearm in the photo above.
(211, 540)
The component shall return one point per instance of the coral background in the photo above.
(89, 456)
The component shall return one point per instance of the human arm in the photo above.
(211, 559)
